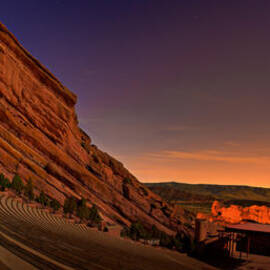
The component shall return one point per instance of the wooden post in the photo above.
(241, 239)
(232, 243)
(248, 245)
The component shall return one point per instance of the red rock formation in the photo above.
(237, 214)
(40, 138)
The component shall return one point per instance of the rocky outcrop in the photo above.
(40, 139)
(237, 214)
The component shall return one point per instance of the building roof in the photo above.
(248, 227)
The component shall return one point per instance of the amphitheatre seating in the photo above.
(50, 240)
(11, 208)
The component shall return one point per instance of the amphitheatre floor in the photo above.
(11, 261)
(36, 239)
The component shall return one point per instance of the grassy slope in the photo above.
(205, 191)
(199, 196)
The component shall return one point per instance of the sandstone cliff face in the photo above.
(238, 214)
(40, 138)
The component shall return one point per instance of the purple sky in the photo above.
(177, 90)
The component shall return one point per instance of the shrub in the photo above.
(94, 216)
(137, 231)
(127, 181)
(43, 199)
(70, 206)
(124, 232)
(155, 233)
(2, 177)
(178, 244)
(144, 190)
(125, 189)
(55, 205)
(17, 184)
(166, 241)
(4, 182)
(29, 190)
(82, 202)
(95, 158)
(83, 145)
(82, 210)
(183, 243)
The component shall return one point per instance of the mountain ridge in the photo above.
(215, 191)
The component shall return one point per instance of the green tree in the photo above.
(43, 199)
(178, 244)
(70, 206)
(4, 182)
(83, 213)
(82, 210)
(94, 216)
(55, 205)
(17, 184)
(124, 232)
(166, 240)
(127, 180)
(155, 233)
(137, 231)
(2, 177)
(29, 190)
(82, 202)
(126, 192)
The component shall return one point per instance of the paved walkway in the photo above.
(12, 261)
(255, 262)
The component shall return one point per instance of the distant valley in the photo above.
(199, 197)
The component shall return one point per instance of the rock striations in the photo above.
(40, 139)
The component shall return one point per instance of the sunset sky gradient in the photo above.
(176, 90)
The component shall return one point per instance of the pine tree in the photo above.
(2, 177)
(70, 206)
(4, 182)
(29, 190)
(137, 231)
(82, 202)
(66, 206)
(94, 216)
(17, 184)
(55, 205)
(82, 210)
(43, 199)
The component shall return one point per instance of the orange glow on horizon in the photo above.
(201, 168)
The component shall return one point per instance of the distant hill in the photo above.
(244, 195)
